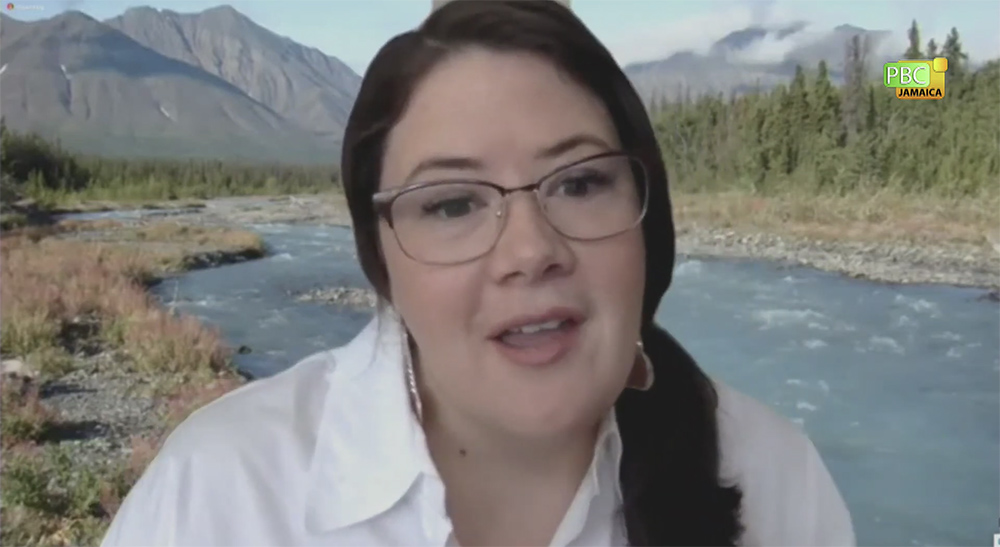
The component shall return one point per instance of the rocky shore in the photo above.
(100, 407)
(960, 265)
(342, 296)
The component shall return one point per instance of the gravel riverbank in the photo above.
(353, 297)
(960, 265)
(101, 409)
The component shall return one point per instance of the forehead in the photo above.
(500, 108)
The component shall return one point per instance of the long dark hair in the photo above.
(669, 474)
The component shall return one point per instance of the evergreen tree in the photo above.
(952, 50)
(913, 51)
(932, 48)
(855, 76)
(825, 107)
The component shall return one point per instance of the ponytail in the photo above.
(670, 462)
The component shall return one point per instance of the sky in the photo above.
(634, 30)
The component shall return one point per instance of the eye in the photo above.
(582, 184)
(450, 207)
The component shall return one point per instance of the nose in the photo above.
(529, 249)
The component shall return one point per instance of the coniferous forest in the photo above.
(35, 168)
(807, 136)
(812, 136)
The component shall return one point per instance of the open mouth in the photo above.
(535, 334)
(541, 340)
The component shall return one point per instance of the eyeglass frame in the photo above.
(382, 202)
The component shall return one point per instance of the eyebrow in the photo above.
(457, 162)
(572, 142)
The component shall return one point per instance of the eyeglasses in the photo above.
(455, 221)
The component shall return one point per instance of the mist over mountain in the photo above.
(155, 82)
(756, 57)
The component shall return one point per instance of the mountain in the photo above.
(303, 85)
(753, 58)
(216, 84)
(101, 91)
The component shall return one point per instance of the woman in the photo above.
(510, 207)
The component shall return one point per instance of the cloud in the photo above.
(697, 33)
(893, 45)
(662, 35)
(772, 49)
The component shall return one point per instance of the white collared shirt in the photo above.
(328, 452)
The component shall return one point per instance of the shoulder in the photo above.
(259, 412)
(789, 497)
(284, 410)
(238, 470)
(253, 443)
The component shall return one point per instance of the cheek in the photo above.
(434, 301)
(616, 270)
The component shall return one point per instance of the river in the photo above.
(898, 386)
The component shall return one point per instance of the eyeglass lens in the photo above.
(456, 221)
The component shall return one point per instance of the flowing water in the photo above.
(898, 386)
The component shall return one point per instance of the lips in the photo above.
(526, 323)
(539, 340)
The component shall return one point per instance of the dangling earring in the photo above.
(642, 375)
(411, 381)
(399, 329)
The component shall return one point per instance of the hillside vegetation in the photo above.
(850, 163)
(812, 137)
(35, 168)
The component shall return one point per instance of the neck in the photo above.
(454, 439)
(501, 488)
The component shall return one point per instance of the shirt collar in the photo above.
(370, 449)
(609, 449)
(356, 471)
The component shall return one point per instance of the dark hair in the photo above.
(669, 474)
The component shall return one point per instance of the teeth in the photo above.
(538, 327)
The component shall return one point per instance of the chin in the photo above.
(549, 417)
(570, 396)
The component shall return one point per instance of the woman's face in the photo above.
(500, 112)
